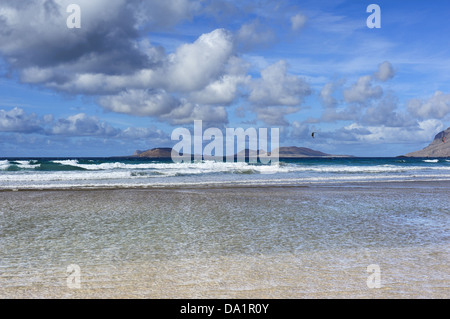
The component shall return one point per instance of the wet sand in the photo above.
(273, 242)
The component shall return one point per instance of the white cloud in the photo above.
(134, 133)
(385, 113)
(193, 66)
(79, 125)
(326, 94)
(254, 34)
(16, 120)
(362, 91)
(385, 71)
(83, 125)
(436, 107)
(140, 102)
(275, 115)
(277, 87)
(422, 132)
(348, 113)
(298, 21)
(300, 130)
(223, 91)
(187, 112)
(277, 94)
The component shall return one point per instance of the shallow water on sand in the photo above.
(267, 242)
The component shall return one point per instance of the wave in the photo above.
(206, 167)
(167, 168)
(4, 164)
(55, 173)
(32, 164)
(131, 184)
(18, 165)
(211, 167)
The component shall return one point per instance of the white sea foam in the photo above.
(155, 174)
(67, 162)
(31, 164)
(63, 176)
(169, 168)
(27, 164)
(221, 167)
(4, 164)
(99, 184)
(431, 161)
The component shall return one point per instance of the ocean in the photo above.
(80, 173)
(145, 228)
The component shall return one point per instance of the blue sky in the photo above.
(136, 70)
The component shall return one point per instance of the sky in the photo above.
(133, 71)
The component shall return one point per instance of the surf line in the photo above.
(216, 148)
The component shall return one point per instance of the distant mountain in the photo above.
(439, 147)
(284, 152)
(294, 151)
(161, 152)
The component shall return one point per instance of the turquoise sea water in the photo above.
(154, 229)
(71, 173)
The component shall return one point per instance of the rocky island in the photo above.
(284, 152)
(439, 147)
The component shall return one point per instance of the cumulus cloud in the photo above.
(109, 46)
(277, 87)
(385, 71)
(223, 91)
(163, 106)
(16, 120)
(326, 94)
(435, 107)
(300, 130)
(136, 133)
(365, 103)
(386, 113)
(193, 66)
(362, 91)
(107, 35)
(206, 71)
(254, 34)
(298, 21)
(111, 59)
(83, 125)
(187, 112)
(347, 113)
(275, 115)
(140, 102)
(276, 94)
(422, 132)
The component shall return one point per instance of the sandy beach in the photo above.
(225, 242)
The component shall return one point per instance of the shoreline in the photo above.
(235, 184)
